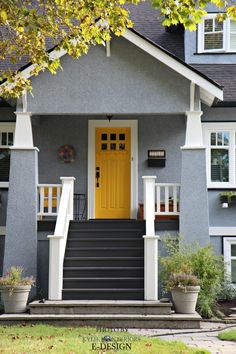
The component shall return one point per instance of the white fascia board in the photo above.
(174, 64)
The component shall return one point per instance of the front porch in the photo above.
(155, 203)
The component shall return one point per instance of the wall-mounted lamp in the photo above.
(109, 117)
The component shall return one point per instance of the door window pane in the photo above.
(122, 136)
(113, 136)
(113, 146)
(122, 146)
(104, 146)
(104, 136)
(219, 165)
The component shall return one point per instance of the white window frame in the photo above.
(6, 128)
(226, 36)
(209, 128)
(228, 241)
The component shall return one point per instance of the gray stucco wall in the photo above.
(2, 243)
(219, 216)
(130, 81)
(217, 114)
(154, 132)
(191, 50)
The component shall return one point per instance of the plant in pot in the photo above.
(14, 289)
(184, 288)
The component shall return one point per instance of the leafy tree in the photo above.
(29, 28)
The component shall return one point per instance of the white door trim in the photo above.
(93, 124)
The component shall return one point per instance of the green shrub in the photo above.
(200, 261)
(228, 291)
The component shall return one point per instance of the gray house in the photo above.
(133, 141)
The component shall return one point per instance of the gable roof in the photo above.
(149, 39)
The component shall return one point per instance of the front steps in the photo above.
(109, 314)
(104, 260)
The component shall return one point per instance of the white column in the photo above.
(23, 132)
(150, 241)
(193, 138)
(70, 181)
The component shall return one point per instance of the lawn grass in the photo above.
(40, 338)
(228, 335)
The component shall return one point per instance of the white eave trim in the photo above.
(222, 230)
(212, 90)
(208, 91)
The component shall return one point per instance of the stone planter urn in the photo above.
(185, 299)
(15, 298)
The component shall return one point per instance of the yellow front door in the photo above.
(112, 173)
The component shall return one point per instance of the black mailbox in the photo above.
(156, 158)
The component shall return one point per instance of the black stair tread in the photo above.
(103, 290)
(105, 230)
(103, 278)
(103, 248)
(100, 268)
(102, 258)
(106, 239)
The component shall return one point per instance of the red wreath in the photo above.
(66, 153)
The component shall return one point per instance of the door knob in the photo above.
(97, 176)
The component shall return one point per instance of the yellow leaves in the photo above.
(3, 15)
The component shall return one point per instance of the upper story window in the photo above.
(215, 36)
(6, 141)
(220, 142)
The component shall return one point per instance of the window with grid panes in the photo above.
(6, 141)
(216, 36)
(220, 142)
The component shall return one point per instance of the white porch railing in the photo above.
(159, 199)
(57, 242)
(167, 198)
(49, 196)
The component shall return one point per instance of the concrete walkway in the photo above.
(206, 337)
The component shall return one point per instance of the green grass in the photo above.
(46, 339)
(228, 335)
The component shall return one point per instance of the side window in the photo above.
(230, 257)
(213, 34)
(6, 141)
(219, 155)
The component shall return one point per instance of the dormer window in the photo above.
(215, 36)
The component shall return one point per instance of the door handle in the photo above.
(97, 176)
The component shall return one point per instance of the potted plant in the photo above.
(184, 288)
(227, 198)
(14, 289)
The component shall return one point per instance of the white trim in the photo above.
(2, 230)
(93, 124)
(222, 230)
(214, 127)
(228, 241)
(4, 184)
(159, 54)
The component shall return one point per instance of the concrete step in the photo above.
(173, 321)
(100, 307)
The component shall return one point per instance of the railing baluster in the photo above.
(158, 192)
(41, 208)
(50, 194)
(175, 199)
(167, 199)
(58, 197)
